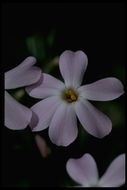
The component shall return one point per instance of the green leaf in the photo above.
(36, 47)
(50, 39)
(24, 183)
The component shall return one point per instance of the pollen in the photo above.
(70, 95)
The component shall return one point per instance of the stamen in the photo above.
(73, 97)
(70, 95)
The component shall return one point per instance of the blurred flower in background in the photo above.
(42, 146)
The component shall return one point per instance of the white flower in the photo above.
(63, 101)
(18, 116)
(84, 171)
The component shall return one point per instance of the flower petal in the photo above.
(42, 146)
(102, 90)
(22, 75)
(44, 110)
(115, 174)
(17, 116)
(83, 170)
(63, 127)
(72, 67)
(95, 122)
(34, 120)
(45, 87)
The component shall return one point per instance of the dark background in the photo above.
(98, 30)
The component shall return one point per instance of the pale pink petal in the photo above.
(47, 86)
(63, 127)
(102, 90)
(34, 120)
(17, 116)
(115, 174)
(72, 67)
(22, 75)
(94, 122)
(83, 170)
(44, 111)
(42, 146)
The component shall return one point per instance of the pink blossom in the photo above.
(17, 116)
(62, 102)
(84, 171)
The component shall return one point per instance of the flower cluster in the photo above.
(62, 103)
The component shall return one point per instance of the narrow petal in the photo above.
(115, 174)
(42, 146)
(47, 86)
(44, 111)
(72, 67)
(83, 170)
(63, 127)
(22, 75)
(17, 116)
(102, 90)
(94, 122)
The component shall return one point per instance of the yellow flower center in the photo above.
(70, 95)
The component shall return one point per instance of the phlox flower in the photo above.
(18, 116)
(62, 102)
(84, 171)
